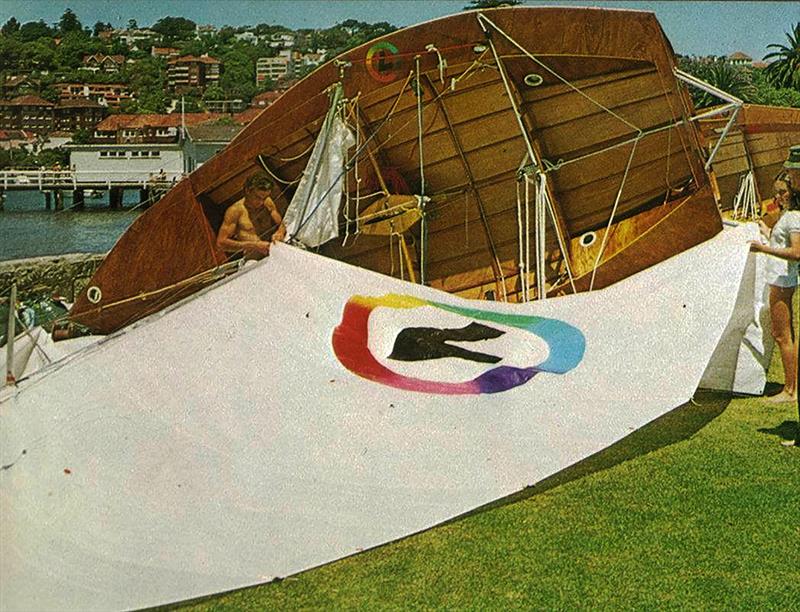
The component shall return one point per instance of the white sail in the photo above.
(312, 217)
(251, 432)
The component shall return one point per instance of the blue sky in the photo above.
(700, 28)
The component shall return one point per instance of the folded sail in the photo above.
(313, 214)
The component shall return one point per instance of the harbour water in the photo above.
(27, 229)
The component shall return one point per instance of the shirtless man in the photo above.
(249, 222)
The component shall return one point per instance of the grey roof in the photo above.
(212, 131)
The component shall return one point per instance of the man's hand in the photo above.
(261, 247)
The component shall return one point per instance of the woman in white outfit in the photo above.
(782, 277)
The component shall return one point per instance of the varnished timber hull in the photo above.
(760, 139)
(607, 119)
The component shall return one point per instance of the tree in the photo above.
(238, 78)
(101, 27)
(74, 45)
(213, 92)
(34, 29)
(767, 93)
(147, 78)
(10, 27)
(175, 28)
(190, 104)
(51, 94)
(82, 136)
(39, 54)
(487, 4)
(266, 29)
(69, 22)
(785, 70)
(132, 25)
(11, 53)
(732, 79)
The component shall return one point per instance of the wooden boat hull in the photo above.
(587, 96)
(759, 140)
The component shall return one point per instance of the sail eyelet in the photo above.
(588, 239)
(533, 79)
(93, 294)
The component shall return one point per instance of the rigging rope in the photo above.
(529, 146)
(528, 240)
(423, 221)
(541, 221)
(482, 17)
(613, 212)
(274, 176)
(520, 247)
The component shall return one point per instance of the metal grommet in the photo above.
(93, 294)
(533, 79)
(588, 239)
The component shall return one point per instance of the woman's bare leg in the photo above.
(780, 309)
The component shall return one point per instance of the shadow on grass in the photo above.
(772, 388)
(788, 430)
(678, 424)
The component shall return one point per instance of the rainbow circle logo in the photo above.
(380, 63)
(350, 341)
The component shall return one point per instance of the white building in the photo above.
(739, 58)
(249, 37)
(126, 163)
(132, 37)
(283, 40)
(272, 68)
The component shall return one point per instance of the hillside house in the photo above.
(103, 63)
(191, 72)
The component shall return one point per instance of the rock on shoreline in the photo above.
(65, 275)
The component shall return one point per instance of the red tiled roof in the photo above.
(16, 135)
(117, 122)
(205, 59)
(100, 57)
(90, 85)
(28, 100)
(739, 55)
(14, 80)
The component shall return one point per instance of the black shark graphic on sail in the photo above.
(422, 343)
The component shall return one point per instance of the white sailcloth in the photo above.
(741, 359)
(313, 214)
(236, 437)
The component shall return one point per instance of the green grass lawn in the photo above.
(699, 509)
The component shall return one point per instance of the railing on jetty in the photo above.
(70, 179)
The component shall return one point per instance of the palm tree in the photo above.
(727, 77)
(785, 70)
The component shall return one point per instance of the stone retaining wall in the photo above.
(65, 275)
